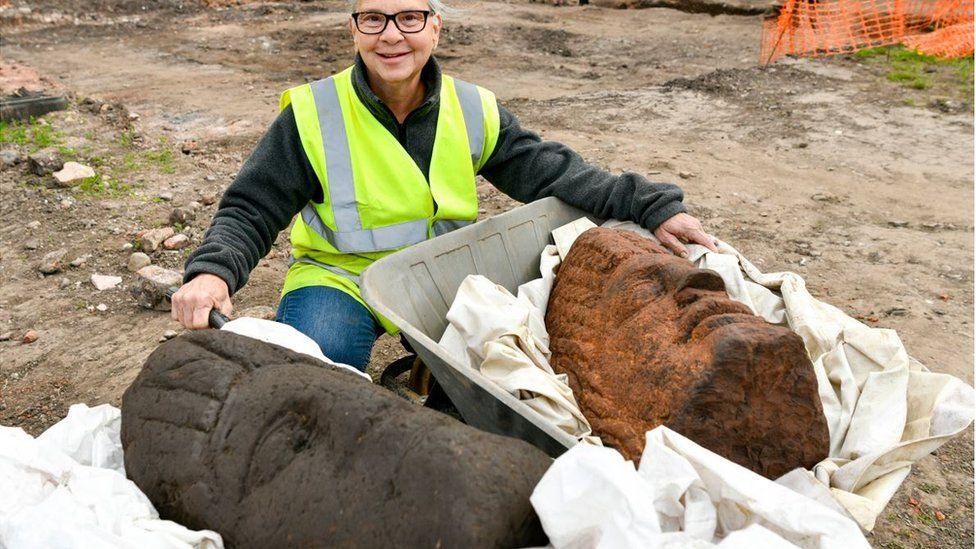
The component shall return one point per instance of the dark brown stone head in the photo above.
(647, 339)
(275, 449)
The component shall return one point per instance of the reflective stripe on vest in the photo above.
(350, 236)
(332, 268)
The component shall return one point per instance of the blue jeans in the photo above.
(344, 329)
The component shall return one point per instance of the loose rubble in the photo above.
(45, 161)
(152, 239)
(151, 285)
(137, 261)
(51, 262)
(72, 173)
(105, 282)
(176, 242)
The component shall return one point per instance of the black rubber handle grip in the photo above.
(216, 319)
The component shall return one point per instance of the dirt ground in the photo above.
(823, 167)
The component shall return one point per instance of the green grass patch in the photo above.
(162, 158)
(125, 139)
(68, 153)
(13, 132)
(33, 134)
(919, 71)
(99, 186)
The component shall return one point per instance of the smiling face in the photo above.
(393, 56)
(647, 339)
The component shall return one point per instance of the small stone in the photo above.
(30, 336)
(258, 311)
(686, 175)
(169, 334)
(180, 216)
(209, 177)
(151, 285)
(931, 226)
(10, 158)
(208, 199)
(80, 261)
(45, 161)
(176, 242)
(32, 244)
(940, 516)
(6, 336)
(802, 145)
(101, 307)
(64, 283)
(824, 197)
(33, 225)
(897, 311)
(72, 173)
(193, 205)
(166, 195)
(138, 260)
(189, 146)
(151, 240)
(66, 203)
(127, 246)
(897, 223)
(51, 262)
(105, 282)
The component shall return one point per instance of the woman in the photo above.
(381, 156)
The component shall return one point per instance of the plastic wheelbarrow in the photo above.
(414, 289)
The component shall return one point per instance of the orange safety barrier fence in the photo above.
(815, 28)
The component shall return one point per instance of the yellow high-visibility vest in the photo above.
(376, 199)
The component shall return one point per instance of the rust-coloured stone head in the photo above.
(647, 339)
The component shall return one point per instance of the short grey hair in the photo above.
(436, 6)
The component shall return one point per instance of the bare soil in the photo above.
(823, 167)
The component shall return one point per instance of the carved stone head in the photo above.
(271, 448)
(648, 339)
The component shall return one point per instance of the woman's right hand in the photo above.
(192, 303)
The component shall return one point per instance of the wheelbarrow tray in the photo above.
(415, 287)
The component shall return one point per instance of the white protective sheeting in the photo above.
(682, 495)
(505, 338)
(67, 489)
(884, 409)
(285, 336)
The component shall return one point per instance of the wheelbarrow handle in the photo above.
(216, 319)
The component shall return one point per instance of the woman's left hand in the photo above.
(683, 228)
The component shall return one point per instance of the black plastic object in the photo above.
(216, 319)
(22, 107)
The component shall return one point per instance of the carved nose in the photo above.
(701, 279)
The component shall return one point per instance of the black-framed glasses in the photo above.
(375, 22)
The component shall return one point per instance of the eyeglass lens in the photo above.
(407, 21)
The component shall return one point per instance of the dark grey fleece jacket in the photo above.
(277, 181)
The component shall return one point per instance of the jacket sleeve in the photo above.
(274, 184)
(527, 168)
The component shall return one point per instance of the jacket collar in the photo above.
(430, 75)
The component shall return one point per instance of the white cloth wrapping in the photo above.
(505, 338)
(682, 495)
(285, 336)
(884, 409)
(67, 489)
